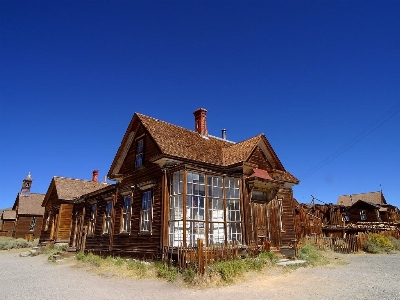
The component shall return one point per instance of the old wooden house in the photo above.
(368, 207)
(176, 186)
(8, 219)
(58, 206)
(28, 211)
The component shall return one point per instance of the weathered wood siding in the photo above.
(64, 222)
(354, 212)
(23, 225)
(8, 228)
(272, 222)
(258, 158)
(134, 243)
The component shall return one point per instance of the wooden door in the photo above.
(260, 222)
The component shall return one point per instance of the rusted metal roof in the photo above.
(261, 174)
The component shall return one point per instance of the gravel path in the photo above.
(365, 277)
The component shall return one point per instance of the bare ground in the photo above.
(364, 277)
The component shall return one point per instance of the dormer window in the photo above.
(139, 153)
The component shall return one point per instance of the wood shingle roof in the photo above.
(372, 197)
(31, 204)
(70, 188)
(9, 215)
(180, 143)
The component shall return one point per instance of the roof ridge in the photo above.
(78, 179)
(158, 120)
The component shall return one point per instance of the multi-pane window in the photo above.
(33, 223)
(139, 153)
(211, 211)
(215, 194)
(363, 215)
(126, 215)
(232, 191)
(92, 219)
(145, 213)
(107, 218)
(176, 210)
(195, 207)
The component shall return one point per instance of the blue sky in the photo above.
(319, 78)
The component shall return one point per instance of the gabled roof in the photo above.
(31, 204)
(372, 197)
(183, 143)
(180, 143)
(9, 215)
(68, 189)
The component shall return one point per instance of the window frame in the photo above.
(146, 215)
(47, 221)
(139, 152)
(92, 219)
(363, 215)
(33, 224)
(107, 217)
(126, 213)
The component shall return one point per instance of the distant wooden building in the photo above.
(58, 206)
(28, 212)
(368, 207)
(175, 186)
(8, 219)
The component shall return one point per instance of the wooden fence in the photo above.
(201, 256)
(349, 244)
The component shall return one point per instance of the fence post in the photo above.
(200, 256)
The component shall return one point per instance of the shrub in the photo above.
(312, 255)
(377, 243)
(395, 242)
(7, 243)
(165, 271)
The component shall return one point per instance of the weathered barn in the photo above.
(175, 186)
(58, 206)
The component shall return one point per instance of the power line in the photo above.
(364, 133)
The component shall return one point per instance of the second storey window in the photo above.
(145, 213)
(363, 215)
(126, 215)
(139, 153)
(107, 218)
(92, 220)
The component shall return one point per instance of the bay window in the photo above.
(211, 211)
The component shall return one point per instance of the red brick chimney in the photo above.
(200, 123)
(95, 175)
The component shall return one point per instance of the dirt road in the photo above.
(364, 277)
